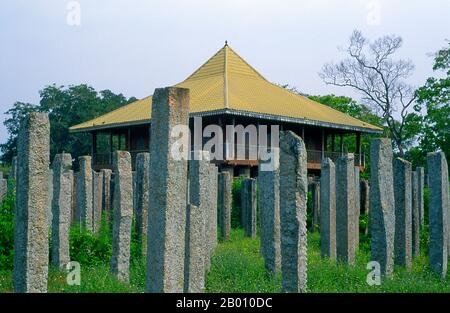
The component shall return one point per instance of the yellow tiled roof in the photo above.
(227, 83)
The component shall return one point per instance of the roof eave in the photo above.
(243, 113)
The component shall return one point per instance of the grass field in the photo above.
(238, 267)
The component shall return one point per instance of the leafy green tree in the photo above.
(434, 96)
(66, 106)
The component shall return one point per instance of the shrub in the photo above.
(89, 249)
(7, 229)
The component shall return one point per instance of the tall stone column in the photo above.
(30, 222)
(364, 196)
(403, 214)
(315, 195)
(420, 187)
(197, 251)
(84, 193)
(97, 200)
(61, 207)
(439, 212)
(75, 214)
(142, 198)
(50, 199)
(249, 201)
(382, 204)
(13, 170)
(168, 192)
(123, 215)
(328, 209)
(224, 200)
(415, 214)
(211, 223)
(3, 187)
(357, 206)
(293, 197)
(345, 209)
(106, 192)
(269, 204)
(194, 264)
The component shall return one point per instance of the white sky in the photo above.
(135, 46)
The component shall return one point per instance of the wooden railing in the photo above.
(104, 160)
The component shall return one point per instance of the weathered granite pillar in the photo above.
(357, 206)
(50, 199)
(106, 192)
(211, 225)
(142, 198)
(13, 170)
(364, 196)
(328, 209)
(30, 222)
(439, 211)
(269, 204)
(134, 180)
(199, 179)
(293, 197)
(194, 262)
(123, 215)
(168, 193)
(403, 215)
(61, 207)
(224, 200)
(345, 209)
(382, 204)
(75, 214)
(420, 189)
(3, 187)
(97, 200)
(315, 195)
(249, 201)
(84, 193)
(415, 214)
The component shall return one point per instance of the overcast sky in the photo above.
(135, 46)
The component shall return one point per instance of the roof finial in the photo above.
(226, 43)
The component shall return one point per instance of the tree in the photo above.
(435, 97)
(66, 106)
(371, 70)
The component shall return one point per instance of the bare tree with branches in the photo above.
(370, 69)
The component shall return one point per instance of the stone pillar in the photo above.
(134, 180)
(249, 200)
(3, 187)
(194, 263)
(61, 207)
(84, 193)
(357, 206)
(403, 215)
(224, 200)
(199, 169)
(123, 215)
(420, 188)
(438, 214)
(382, 204)
(106, 192)
(328, 209)
(30, 222)
(211, 225)
(293, 197)
(142, 198)
(168, 193)
(75, 214)
(315, 194)
(345, 209)
(415, 215)
(364, 196)
(13, 170)
(50, 199)
(269, 204)
(97, 200)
